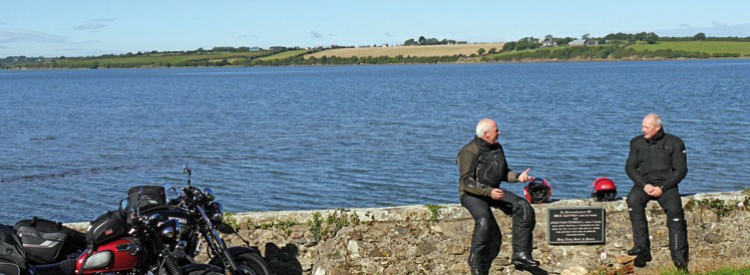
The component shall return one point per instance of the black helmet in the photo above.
(538, 191)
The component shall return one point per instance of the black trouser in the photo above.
(486, 240)
(671, 202)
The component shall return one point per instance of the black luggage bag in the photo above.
(45, 241)
(106, 227)
(12, 255)
(145, 197)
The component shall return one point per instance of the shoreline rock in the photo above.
(434, 239)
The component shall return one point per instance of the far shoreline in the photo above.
(576, 60)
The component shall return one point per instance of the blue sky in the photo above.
(87, 27)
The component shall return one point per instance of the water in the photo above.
(293, 138)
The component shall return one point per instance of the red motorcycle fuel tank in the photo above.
(117, 255)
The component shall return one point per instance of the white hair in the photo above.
(484, 126)
(655, 118)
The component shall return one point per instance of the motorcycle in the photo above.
(148, 235)
(123, 242)
(120, 242)
(199, 210)
(199, 218)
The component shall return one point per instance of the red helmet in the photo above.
(538, 191)
(603, 189)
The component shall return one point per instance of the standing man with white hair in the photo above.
(481, 167)
(657, 163)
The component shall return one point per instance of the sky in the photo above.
(53, 28)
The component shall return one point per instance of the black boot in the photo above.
(682, 267)
(478, 271)
(523, 261)
(643, 256)
(638, 251)
(476, 265)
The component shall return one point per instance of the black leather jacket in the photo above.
(661, 161)
(481, 167)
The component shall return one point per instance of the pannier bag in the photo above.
(12, 255)
(146, 196)
(107, 226)
(46, 241)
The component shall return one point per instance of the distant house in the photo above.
(255, 49)
(590, 42)
(548, 43)
(577, 42)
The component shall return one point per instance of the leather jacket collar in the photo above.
(484, 146)
(659, 135)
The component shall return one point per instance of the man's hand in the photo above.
(652, 190)
(497, 194)
(524, 177)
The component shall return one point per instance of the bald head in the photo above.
(651, 125)
(487, 130)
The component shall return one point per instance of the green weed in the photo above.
(720, 207)
(434, 212)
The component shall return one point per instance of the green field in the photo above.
(160, 59)
(397, 55)
(283, 55)
(711, 47)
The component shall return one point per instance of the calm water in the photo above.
(290, 138)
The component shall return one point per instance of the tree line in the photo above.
(603, 52)
(530, 43)
(612, 46)
(427, 41)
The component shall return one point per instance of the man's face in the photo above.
(492, 134)
(649, 128)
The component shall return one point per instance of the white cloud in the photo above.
(95, 24)
(30, 36)
(316, 35)
(90, 26)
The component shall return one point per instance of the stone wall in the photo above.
(434, 239)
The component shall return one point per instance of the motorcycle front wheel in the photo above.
(203, 272)
(252, 264)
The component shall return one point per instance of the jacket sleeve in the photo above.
(631, 166)
(467, 177)
(512, 177)
(679, 165)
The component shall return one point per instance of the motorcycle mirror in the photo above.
(186, 169)
(225, 229)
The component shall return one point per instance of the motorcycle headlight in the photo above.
(209, 193)
(170, 230)
(217, 215)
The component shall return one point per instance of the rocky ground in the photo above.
(434, 239)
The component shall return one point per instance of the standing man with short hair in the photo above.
(657, 163)
(481, 168)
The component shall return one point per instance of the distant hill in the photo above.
(456, 53)
(417, 51)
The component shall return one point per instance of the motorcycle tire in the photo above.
(252, 264)
(203, 272)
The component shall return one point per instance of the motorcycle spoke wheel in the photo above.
(252, 264)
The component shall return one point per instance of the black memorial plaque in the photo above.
(584, 225)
